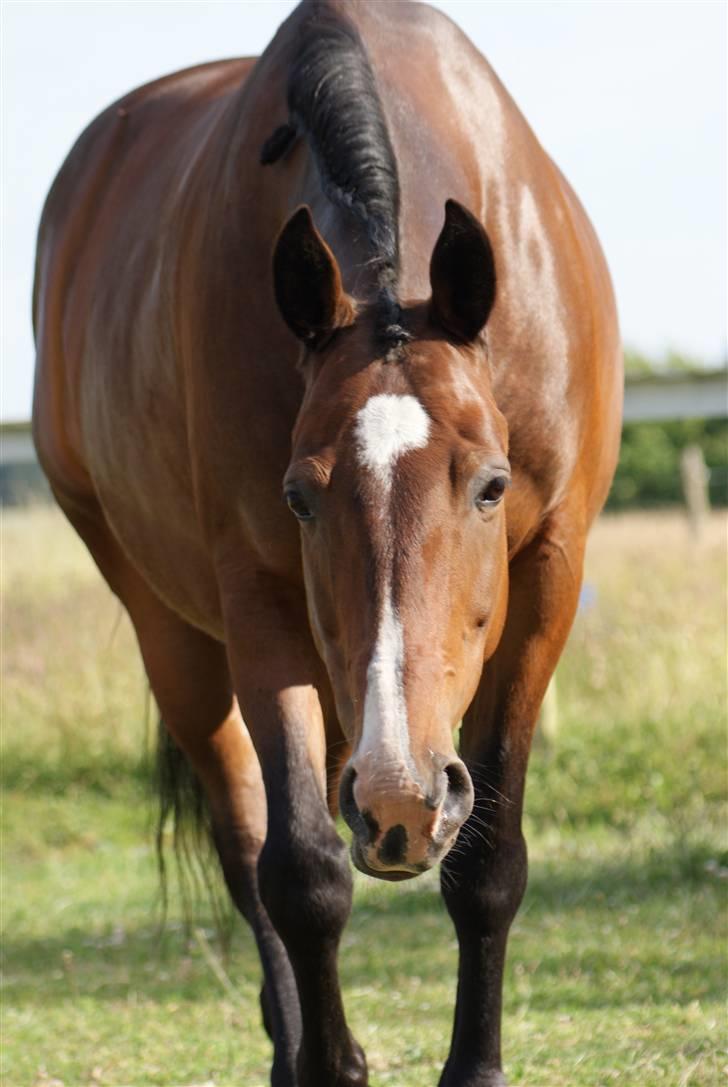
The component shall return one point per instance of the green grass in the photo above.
(617, 964)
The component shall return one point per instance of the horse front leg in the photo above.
(304, 875)
(483, 881)
(306, 886)
(484, 877)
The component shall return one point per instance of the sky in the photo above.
(629, 98)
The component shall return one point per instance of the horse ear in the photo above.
(307, 281)
(462, 274)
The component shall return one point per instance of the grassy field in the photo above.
(617, 964)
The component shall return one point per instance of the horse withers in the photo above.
(329, 382)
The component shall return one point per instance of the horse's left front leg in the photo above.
(303, 870)
(484, 877)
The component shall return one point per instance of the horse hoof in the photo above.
(350, 1070)
(488, 1077)
(354, 1068)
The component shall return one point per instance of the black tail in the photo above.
(182, 808)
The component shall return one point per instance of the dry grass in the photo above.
(74, 697)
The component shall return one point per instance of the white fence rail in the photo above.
(658, 399)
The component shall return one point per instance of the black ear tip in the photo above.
(453, 211)
(302, 214)
(299, 221)
(456, 214)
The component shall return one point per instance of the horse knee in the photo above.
(306, 890)
(483, 890)
(238, 856)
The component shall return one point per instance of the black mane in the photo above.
(333, 100)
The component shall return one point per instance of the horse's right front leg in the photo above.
(303, 870)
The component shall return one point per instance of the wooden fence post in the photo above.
(695, 486)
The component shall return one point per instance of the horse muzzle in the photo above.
(401, 829)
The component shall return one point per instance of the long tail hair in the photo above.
(183, 816)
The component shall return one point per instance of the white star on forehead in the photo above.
(386, 427)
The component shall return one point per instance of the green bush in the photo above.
(648, 473)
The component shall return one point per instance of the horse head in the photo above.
(397, 476)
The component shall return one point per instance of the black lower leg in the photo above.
(306, 886)
(279, 997)
(482, 884)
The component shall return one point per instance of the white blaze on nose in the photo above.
(386, 427)
(385, 709)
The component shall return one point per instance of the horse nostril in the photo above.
(452, 785)
(458, 779)
(459, 799)
(363, 823)
(347, 803)
(434, 799)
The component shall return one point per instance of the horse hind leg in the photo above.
(190, 679)
(229, 774)
(194, 694)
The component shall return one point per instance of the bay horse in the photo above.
(329, 382)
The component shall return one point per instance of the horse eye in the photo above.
(297, 505)
(492, 492)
